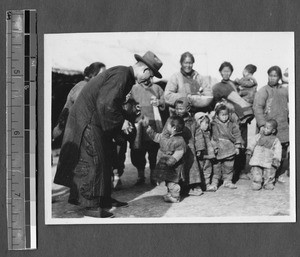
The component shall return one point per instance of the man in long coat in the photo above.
(85, 162)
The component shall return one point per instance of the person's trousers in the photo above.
(119, 156)
(263, 175)
(207, 167)
(240, 159)
(173, 189)
(138, 157)
(223, 169)
(284, 157)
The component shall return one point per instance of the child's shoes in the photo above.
(196, 191)
(211, 188)
(269, 186)
(230, 185)
(256, 186)
(170, 199)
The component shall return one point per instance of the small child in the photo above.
(227, 142)
(207, 155)
(170, 156)
(247, 85)
(265, 149)
(194, 139)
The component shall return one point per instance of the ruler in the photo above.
(21, 78)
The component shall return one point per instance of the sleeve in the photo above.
(62, 119)
(206, 86)
(236, 132)
(199, 139)
(109, 103)
(252, 142)
(277, 150)
(156, 137)
(259, 106)
(221, 90)
(161, 98)
(178, 154)
(171, 91)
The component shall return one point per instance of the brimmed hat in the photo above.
(152, 61)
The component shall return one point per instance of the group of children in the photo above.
(200, 146)
(197, 152)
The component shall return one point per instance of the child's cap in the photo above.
(199, 116)
(184, 101)
(251, 68)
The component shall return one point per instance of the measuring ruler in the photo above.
(21, 67)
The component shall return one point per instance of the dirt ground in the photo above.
(146, 201)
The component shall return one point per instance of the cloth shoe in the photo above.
(245, 176)
(269, 186)
(196, 191)
(97, 213)
(170, 199)
(230, 185)
(256, 186)
(211, 188)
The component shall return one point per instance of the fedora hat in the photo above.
(152, 61)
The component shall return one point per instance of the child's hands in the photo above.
(171, 161)
(237, 151)
(275, 163)
(261, 130)
(216, 151)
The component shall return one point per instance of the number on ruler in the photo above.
(8, 17)
(17, 133)
(16, 72)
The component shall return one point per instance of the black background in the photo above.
(56, 16)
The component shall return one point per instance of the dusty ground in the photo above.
(146, 201)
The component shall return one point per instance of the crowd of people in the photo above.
(201, 146)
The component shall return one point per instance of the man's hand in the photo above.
(276, 163)
(171, 161)
(154, 101)
(127, 127)
(144, 121)
(56, 132)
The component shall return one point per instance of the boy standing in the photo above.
(170, 156)
(227, 142)
(265, 149)
(148, 96)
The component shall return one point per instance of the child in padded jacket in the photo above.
(265, 149)
(227, 141)
(170, 156)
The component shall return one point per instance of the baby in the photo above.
(170, 156)
(265, 149)
(247, 85)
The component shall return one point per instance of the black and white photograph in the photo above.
(169, 127)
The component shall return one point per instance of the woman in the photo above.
(189, 83)
(271, 102)
(226, 91)
(89, 72)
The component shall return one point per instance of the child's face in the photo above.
(245, 73)
(226, 73)
(181, 110)
(171, 129)
(223, 115)
(268, 129)
(204, 124)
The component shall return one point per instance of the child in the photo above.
(148, 95)
(170, 156)
(194, 139)
(227, 141)
(205, 157)
(247, 85)
(265, 149)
